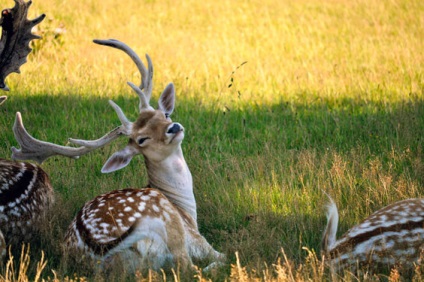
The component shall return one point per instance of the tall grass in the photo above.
(280, 99)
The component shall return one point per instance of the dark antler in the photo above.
(16, 35)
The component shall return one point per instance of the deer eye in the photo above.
(141, 140)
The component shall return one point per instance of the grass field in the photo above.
(280, 100)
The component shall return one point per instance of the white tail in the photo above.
(392, 236)
(155, 227)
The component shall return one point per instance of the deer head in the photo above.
(16, 35)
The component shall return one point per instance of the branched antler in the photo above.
(16, 35)
(144, 91)
(39, 151)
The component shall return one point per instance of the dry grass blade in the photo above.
(22, 275)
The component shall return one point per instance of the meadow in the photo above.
(281, 100)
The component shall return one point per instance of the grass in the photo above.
(280, 99)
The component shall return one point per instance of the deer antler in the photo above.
(16, 35)
(2, 99)
(39, 151)
(144, 91)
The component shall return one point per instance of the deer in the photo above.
(390, 237)
(26, 193)
(154, 227)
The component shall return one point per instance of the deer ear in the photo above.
(167, 100)
(119, 159)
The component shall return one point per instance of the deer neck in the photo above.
(173, 177)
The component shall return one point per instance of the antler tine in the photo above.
(149, 81)
(144, 103)
(35, 149)
(146, 84)
(39, 151)
(124, 129)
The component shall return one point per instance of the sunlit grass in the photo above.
(280, 100)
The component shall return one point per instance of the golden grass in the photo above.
(328, 48)
(297, 52)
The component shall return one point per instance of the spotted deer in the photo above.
(26, 193)
(390, 237)
(154, 227)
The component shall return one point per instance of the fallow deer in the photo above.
(390, 237)
(155, 227)
(25, 189)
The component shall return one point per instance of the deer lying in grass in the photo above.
(155, 227)
(391, 237)
(25, 189)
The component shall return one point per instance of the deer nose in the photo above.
(175, 128)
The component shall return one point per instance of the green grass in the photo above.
(331, 98)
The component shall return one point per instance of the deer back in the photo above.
(392, 236)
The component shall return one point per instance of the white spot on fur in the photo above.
(141, 206)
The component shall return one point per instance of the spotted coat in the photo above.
(25, 196)
(392, 236)
(138, 223)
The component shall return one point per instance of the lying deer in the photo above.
(392, 236)
(155, 227)
(25, 189)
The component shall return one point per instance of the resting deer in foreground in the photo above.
(155, 227)
(25, 189)
(392, 236)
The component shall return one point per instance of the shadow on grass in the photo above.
(233, 151)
